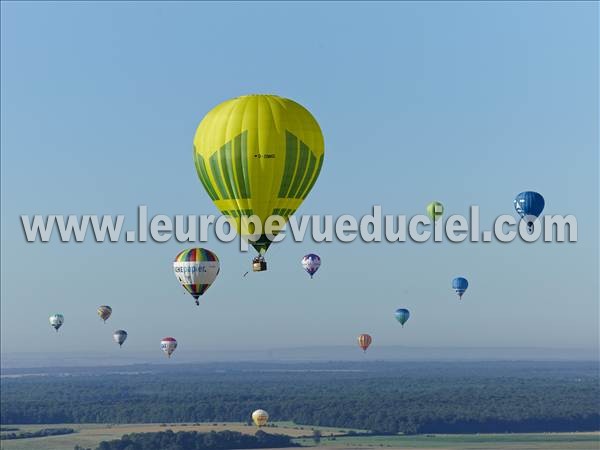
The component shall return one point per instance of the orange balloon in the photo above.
(364, 340)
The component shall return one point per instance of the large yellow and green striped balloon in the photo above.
(258, 155)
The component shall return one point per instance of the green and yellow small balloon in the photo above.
(435, 210)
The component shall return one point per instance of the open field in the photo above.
(557, 441)
(89, 435)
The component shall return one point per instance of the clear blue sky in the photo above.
(466, 103)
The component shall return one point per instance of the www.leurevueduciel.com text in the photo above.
(372, 227)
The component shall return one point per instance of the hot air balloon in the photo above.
(402, 315)
(119, 337)
(258, 155)
(529, 206)
(364, 340)
(168, 345)
(196, 269)
(56, 321)
(435, 210)
(460, 285)
(104, 312)
(260, 417)
(311, 263)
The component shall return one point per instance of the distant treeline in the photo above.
(380, 397)
(36, 434)
(192, 440)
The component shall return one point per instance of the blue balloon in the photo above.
(402, 315)
(529, 206)
(460, 285)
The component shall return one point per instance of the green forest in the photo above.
(192, 440)
(40, 433)
(486, 397)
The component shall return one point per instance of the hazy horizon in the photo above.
(347, 353)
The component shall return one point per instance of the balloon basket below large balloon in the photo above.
(259, 264)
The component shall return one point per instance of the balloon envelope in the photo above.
(460, 285)
(311, 263)
(56, 321)
(260, 417)
(529, 206)
(196, 269)
(258, 155)
(364, 340)
(119, 336)
(435, 210)
(104, 312)
(402, 315)
(168, 345)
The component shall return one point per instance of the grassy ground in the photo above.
(557, 441)
(89, 435)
